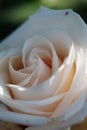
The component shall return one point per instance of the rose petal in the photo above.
(66, 80)
(15, 64)
(60, 39)
(22, 108)
(39, 107)
(4, 72)
(76, 106)
(44, 90)
(76, 86)
(42, 43)
(40, 74)
(57, 124)
(4, 59)
(23, 119)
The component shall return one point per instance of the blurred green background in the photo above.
(15, 12)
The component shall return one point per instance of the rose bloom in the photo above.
(43, 71)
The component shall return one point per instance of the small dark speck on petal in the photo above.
(67, 12)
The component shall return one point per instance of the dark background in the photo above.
(15, 12)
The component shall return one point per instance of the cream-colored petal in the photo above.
(68, 73)
(61, 124)
(22, 108)
(40, 74)
(28, 69)
(4, 79)
(76, 106)
(42, 102)
(43, 54)
(45, 105)
(15, 64)
(44, 72)
(3, 107)
(44, 90)
(43, 43)
(28, 81)
(22, 119)
(76, 86)
(38, 107)
(61, 40)
(4, 59)
(4, 72)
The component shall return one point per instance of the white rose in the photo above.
(43, 71)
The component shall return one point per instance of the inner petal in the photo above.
(43, 54)
(44, 72)
(29, 76)
(40, 74)
(60, 40)
(43, 44)
(15, 64)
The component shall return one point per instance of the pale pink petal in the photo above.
(61, 40)
(22, 108)
(4, 71)
(38, 107)
(15, 64)
(41, 91)
(4, 59)
(76, 106)
(39, 74)
(62, 124)
(29, 80)
(41, 43)
(45, 105)
(76, 86)
(23, 119)
(68, 73)
(44, 71)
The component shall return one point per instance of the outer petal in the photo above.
(24, 119)
(57, 125)
(48, 18)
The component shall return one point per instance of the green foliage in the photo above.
(63, 3)
(19, 12)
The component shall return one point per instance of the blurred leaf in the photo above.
(20, 12)
(62, 3)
